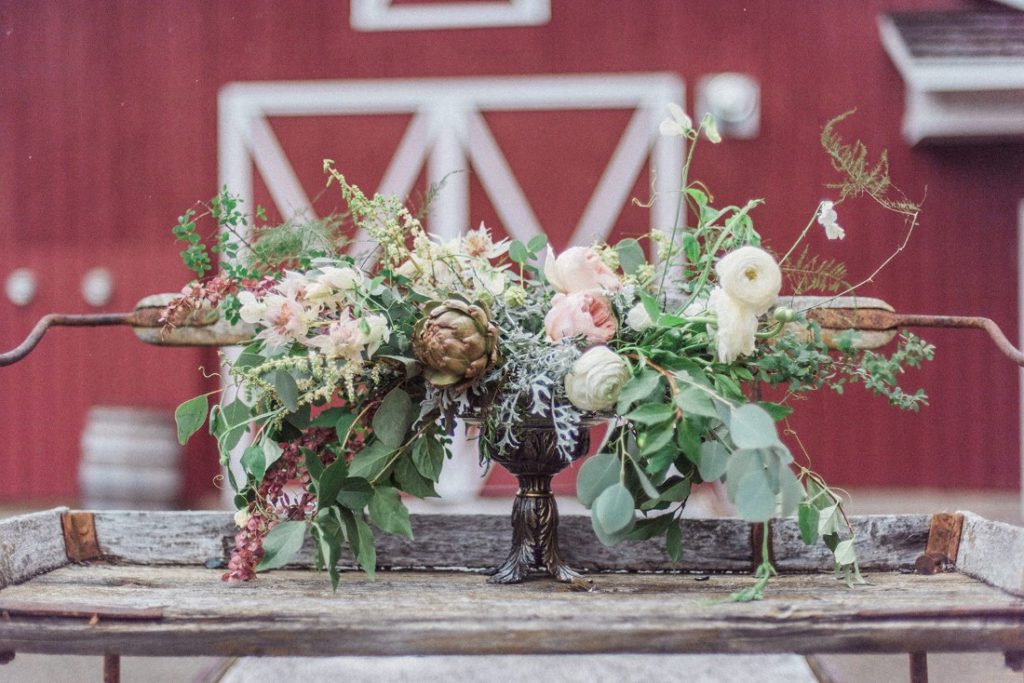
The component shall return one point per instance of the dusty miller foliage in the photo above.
(529, 382)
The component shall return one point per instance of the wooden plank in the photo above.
(29, 545)
(992, 552)
(416, 612)
(473, 542)
(884, 542)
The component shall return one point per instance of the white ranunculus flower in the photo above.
(638, 318)
(596, 378)
(252, 309)
(736, 325)
(751, 277)
(827, 219)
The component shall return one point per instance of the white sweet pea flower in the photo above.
(735, 324)
(751, 277)
(242, 518)
(596, 378)
(677, 124)
(827, 219)
(252, 310)
(711, 130)
(638, 318)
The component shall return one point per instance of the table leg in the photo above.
(111, 669)
(918, 667)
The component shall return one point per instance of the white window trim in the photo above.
(382, 15)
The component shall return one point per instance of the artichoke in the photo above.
(456, 342)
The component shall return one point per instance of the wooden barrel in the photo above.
(130, 459)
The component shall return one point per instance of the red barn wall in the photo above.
(108, 130)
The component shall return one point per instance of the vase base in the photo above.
(516, 570)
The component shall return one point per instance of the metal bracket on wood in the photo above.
(80, 542)
(943, 543)
(7, 657)
(1015, 660)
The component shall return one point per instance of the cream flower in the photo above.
(479, 244)
(579, 269)
(596, 378)
(751, 277)
(252, 309)
(285, 320)
(711, 129)
(343, 339)
(638, 318)
(242, 518)
(736, 325)
(827, 219)
(677, 123)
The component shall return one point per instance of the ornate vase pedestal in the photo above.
(535, 512)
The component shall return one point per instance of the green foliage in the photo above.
(190, 416)
(281, 544)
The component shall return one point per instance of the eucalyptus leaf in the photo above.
(614, 508)
(755, 500)
(651, 414)
(845, 553)
(638, 387)
(645, 483)
(518, 252)
(631, 255)
(281, 544)
(536, 243)
(791, 492)
(694, 401)
(714, 459)
(751, 426)
(597, 474)
(657, 438)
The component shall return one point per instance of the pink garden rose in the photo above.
(579, 269)
(583, 313)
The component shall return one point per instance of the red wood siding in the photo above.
(108, 128)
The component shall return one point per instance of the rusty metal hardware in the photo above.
(878, 321)
(201, 328)
(80, 542)
(943, 543)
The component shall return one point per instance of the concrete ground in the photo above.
(943, 668)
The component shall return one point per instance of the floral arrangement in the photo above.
(361, 361)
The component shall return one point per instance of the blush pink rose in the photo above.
(579, 269)
(585, 314)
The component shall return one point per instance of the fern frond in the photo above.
(810, 273)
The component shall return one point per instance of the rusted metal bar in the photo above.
(60, 319)
(943, 543)
(918, 667)
(111, 669)
(80, 542)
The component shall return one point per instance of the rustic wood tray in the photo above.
(148, 583)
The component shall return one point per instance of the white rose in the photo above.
(638, 318)
(596, 378)
(751, 277)
(252, 309)
(579, 269)
(736, 325)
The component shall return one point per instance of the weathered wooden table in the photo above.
(148, 583)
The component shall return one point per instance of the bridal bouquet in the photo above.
(363, 357)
